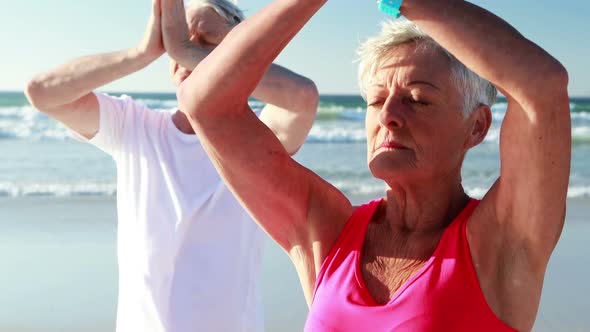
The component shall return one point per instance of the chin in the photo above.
(388, 167)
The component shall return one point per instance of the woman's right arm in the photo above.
(65, 93)
(302, 212)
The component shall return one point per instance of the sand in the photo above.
(59, 270)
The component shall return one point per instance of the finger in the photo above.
(168, 5)
(157, 8)
(177, 6)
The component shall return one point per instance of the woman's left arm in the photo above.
(525, 209)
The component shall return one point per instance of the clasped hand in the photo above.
(168, 31)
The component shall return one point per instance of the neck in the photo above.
(182, 123)
(419, 208)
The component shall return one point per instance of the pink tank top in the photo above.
(443, 296)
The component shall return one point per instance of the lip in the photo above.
(392, 145)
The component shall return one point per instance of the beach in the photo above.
(59, 270)
(58, 218)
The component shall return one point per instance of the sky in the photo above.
(40, 34)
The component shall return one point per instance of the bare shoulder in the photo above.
(509, 269)
(329, 211)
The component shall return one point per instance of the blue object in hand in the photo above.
(390, 7)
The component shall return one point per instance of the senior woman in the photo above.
(425, 257)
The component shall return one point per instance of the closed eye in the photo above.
(376, 103)
(416, 101)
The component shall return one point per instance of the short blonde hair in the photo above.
(229, 10)
(375, 50)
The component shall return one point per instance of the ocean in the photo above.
(58, 218)
(39, 157)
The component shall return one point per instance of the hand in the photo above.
(175, 30)
(152, 45)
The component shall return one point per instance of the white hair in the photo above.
(374, 51)
(229, 10)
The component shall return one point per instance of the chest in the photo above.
(389, 262)
(163, 165)
(168, 190)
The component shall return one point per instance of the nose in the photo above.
(391, 114)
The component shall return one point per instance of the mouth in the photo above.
(392, 145)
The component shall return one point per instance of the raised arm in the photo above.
(525, 209)
(300, 211)
(291, 99)
(65, 93)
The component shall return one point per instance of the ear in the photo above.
(481, 120)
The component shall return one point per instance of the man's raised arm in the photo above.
(291, 99)
(65, 93)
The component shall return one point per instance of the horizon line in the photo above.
(343, 94)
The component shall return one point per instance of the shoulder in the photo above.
(137, 108)
(123, 101)
(503, 257)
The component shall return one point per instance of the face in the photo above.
(416, 129)
(207, 29)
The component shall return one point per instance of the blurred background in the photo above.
(57, 196)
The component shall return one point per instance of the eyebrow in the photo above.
(423, 83)
(415, 82)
